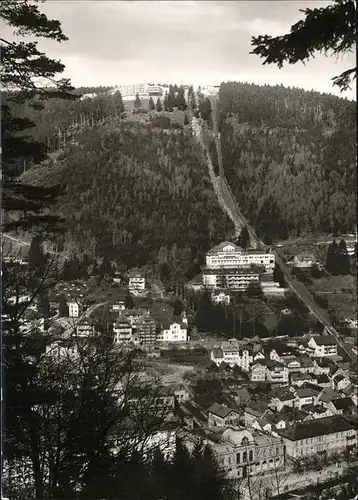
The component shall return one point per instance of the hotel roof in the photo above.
(317, 427)
(221, 246)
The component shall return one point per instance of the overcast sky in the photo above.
(115, 42)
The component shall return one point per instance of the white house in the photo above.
(84, 329)
(136, 283)
(323, 345)
(258, 371)
(173, 332)
(304, 260)
(122, 331)
(73, 309)
(118, 306)
(233, 354)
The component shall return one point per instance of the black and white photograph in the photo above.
(179, 250)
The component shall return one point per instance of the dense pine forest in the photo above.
(136, 193)
(138, 190)
(290, 158)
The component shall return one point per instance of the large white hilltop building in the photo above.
(144, 90)
(227, 255)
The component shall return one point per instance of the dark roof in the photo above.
(325, 362)
(344, 404)
(301, 376)
(317, 427)
(287, 397)
(325, 340)
(329, 394)
(305, 393)
(290, 414)
(322, 379)
(281, 348)
(220, 410)
(259, 407)
(221, 246)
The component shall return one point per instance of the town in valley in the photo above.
(179, 257)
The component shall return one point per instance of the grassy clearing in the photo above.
(340, 292)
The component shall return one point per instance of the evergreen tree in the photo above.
(178, 308)
(159, 477)
(43, 305)
(63, 307)
(119, 103)
(186, 120)
(171, 101)
(158, 105)
(36, 257)
(332, 259)
(105, 269)
(166, 98)
(137, 102)
(66, 271)
(181, 469)
(18, 73)
(151, 105)
(205, 315)
(164, 272)
(243, 240)
(180, 99)
(344, 264)
(254, 290)
(326, 29)
(278, 275)
(128, 301)
(94, 271)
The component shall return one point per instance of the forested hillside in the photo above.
(290, 158)
(137, 194)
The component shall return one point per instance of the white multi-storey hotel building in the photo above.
(228, 255)
(142, 89)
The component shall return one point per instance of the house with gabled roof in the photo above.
(285, 399)
(342, 406)
(323, 365)
(327, 395)
(313, 412)
(222, 416)
(298, 379)
(276, 372)
(323, 345)
(258, 371)
(305, 397)
(257, 409)
(279, 351)
(301, 364)
(340, 381)
(352, 392)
